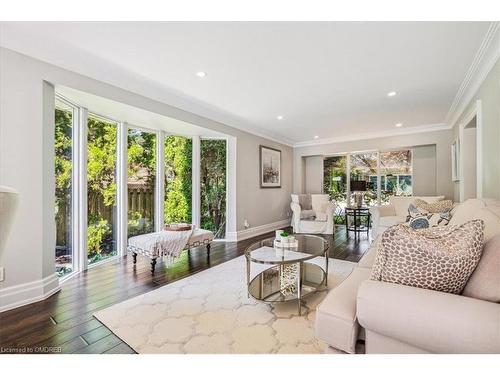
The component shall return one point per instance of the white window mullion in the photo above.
(196, 199)
(81, 179)
(348, 167)
(379, 181)
(121, 191)
(160, 181)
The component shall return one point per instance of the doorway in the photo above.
(470, 153)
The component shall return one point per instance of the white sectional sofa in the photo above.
(395, 318)
(395, 212)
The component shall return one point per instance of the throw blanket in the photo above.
(166, 244)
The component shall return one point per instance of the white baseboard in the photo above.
(256, 231)
(24, 294)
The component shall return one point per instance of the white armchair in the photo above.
(312, 213)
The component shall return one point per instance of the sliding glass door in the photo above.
(63, 142)
(213, 185)
(335, 183)
(364, 168)
(141, 181)
(394, 168)
(101, 189)
(395, 174)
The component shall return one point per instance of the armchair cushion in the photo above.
(307, 214)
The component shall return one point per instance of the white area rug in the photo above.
(210, 312)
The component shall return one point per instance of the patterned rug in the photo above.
(210, 312)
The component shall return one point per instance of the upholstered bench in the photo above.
(198, 238)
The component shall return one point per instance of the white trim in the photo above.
(82, 228)
(256, 231)
(195, 183)
(160, 182)
(476, 112)
(374, 135)
(23, 294)
(121, 183)
(484, 60)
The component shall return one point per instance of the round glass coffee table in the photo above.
(288, 274)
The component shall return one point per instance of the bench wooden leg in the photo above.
(134, 256)
(208, 249)
(153, 264)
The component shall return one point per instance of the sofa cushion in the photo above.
(465, 211)
(439, 258)
(485, 280)
(401, 203)
(435, 207)
(491, 217)
(389, 221)
(336, 322)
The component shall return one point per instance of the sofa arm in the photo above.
(295, 214)
(377, 212)
(433, 321)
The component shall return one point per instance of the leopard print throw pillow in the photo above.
(436, 207)
(438, 258)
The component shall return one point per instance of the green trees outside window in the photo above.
(178, 179)
(213, 185)
(101, 189)
(63, 142)
(141, 181)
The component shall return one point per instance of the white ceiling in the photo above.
(327, 79)
(133, 116)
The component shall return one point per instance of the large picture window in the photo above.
(178, 179)
(213, 185)
(101, 189)
(141, 181)
(63, 143)
(114, 181)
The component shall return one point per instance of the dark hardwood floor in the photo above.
(63, 323)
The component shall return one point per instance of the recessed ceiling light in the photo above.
(201, 74)
(279, 117)
(398, 125)
(316, 136)
(392, 93)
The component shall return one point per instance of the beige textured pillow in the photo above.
(438, 258)
(436, 207)
(485, 281)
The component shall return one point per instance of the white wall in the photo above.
(489, 95)
(26, 164)
(314, 174)
(440, 166)
(424, 170)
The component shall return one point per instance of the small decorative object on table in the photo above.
(289, 273)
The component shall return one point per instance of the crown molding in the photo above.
(484, 60)
(374, 135)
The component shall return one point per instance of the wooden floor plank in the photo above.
(64, 322)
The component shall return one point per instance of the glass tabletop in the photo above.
(308, 247)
